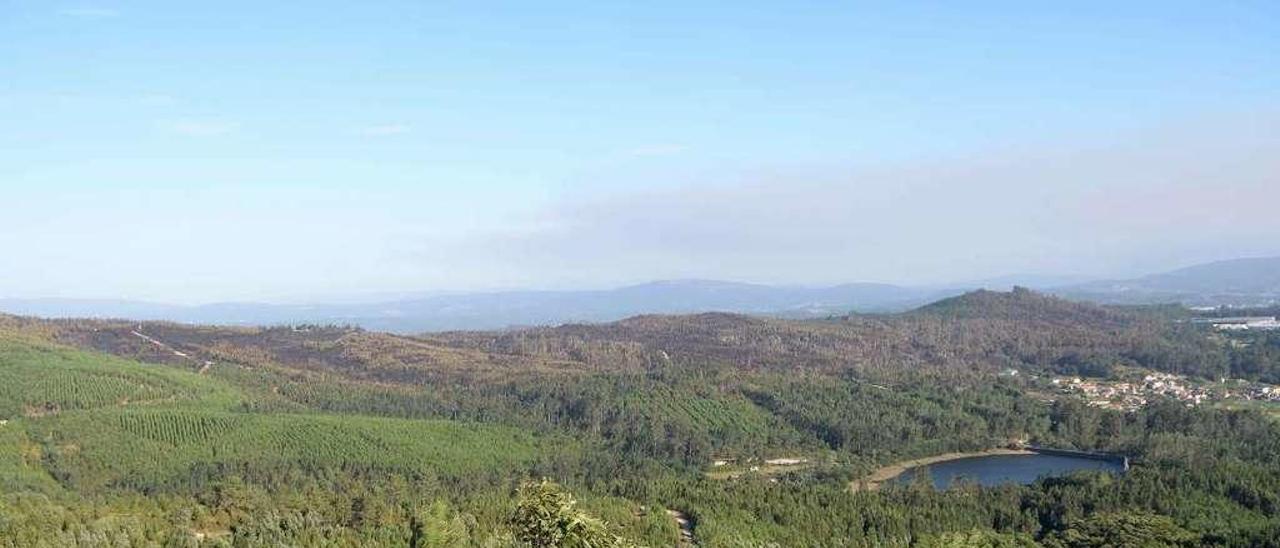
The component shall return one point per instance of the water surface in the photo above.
(998, 469)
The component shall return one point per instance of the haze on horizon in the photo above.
(241, 151)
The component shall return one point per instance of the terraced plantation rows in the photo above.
(184, 428)
(38, 379)
(177, 427)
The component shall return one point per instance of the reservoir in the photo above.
(992, 470)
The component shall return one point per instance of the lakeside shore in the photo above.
(886, 473)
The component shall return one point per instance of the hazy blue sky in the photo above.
(193, 152)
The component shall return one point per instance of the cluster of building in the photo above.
(1131, 395)
(1240, 323)
(1127, 395)
(1262, 392)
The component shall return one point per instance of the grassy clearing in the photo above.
(763, 470)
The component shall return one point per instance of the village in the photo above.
(1133, 394)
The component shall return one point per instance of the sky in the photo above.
(199, 152)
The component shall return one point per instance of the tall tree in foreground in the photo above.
(547, 516)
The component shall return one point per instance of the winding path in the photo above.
(161, 345)
(686, 528)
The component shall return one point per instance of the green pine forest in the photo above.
(118, 433)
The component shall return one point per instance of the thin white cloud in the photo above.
(1179, 195)
(89, 12)
(199, 127)
(384, 130)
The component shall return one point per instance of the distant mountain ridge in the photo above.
(1234, 282)
(514, 308)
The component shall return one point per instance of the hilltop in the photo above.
(1022, 304)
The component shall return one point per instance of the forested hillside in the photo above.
(983, 331)
(126, 433)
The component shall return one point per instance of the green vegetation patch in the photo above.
(40, 379)
(145, 448)
(721, 414)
